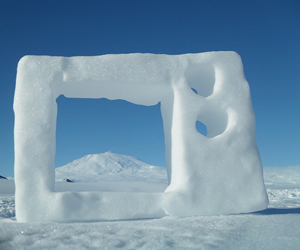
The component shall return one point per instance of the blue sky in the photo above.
(265, 33)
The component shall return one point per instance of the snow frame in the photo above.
(222, 103)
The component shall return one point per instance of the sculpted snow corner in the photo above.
(220, 173)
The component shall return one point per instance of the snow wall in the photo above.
(220, 173)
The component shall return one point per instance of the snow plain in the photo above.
(278, 227)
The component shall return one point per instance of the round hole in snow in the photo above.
(195, 91)
(215, 118)
(201, 78)
(201, 128)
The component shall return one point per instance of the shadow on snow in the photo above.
(273, 211)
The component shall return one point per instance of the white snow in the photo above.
(109, 166)
(220, 173)
(109, 172)
(275, 228)
(279, 177)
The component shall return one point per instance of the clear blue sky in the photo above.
(265, 33)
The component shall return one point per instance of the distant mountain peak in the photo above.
(110, 166)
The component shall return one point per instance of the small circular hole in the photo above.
(201, 128)
(195, 91)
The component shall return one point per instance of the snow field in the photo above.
(274, 228)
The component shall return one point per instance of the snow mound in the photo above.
(109, 166)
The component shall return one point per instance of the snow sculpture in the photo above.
(220, 173)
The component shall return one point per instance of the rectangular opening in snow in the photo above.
(102, 125)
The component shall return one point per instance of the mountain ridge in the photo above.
(110, 166)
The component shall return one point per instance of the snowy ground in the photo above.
(278, 227)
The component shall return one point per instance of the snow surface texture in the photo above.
(276, 228)
(220, 173)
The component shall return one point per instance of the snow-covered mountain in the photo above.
(109, 166)
(282, 177)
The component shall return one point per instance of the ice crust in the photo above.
(220, 173)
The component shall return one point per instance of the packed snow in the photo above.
(220, 173)
(274, 228)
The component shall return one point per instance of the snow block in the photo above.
(220, 173)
